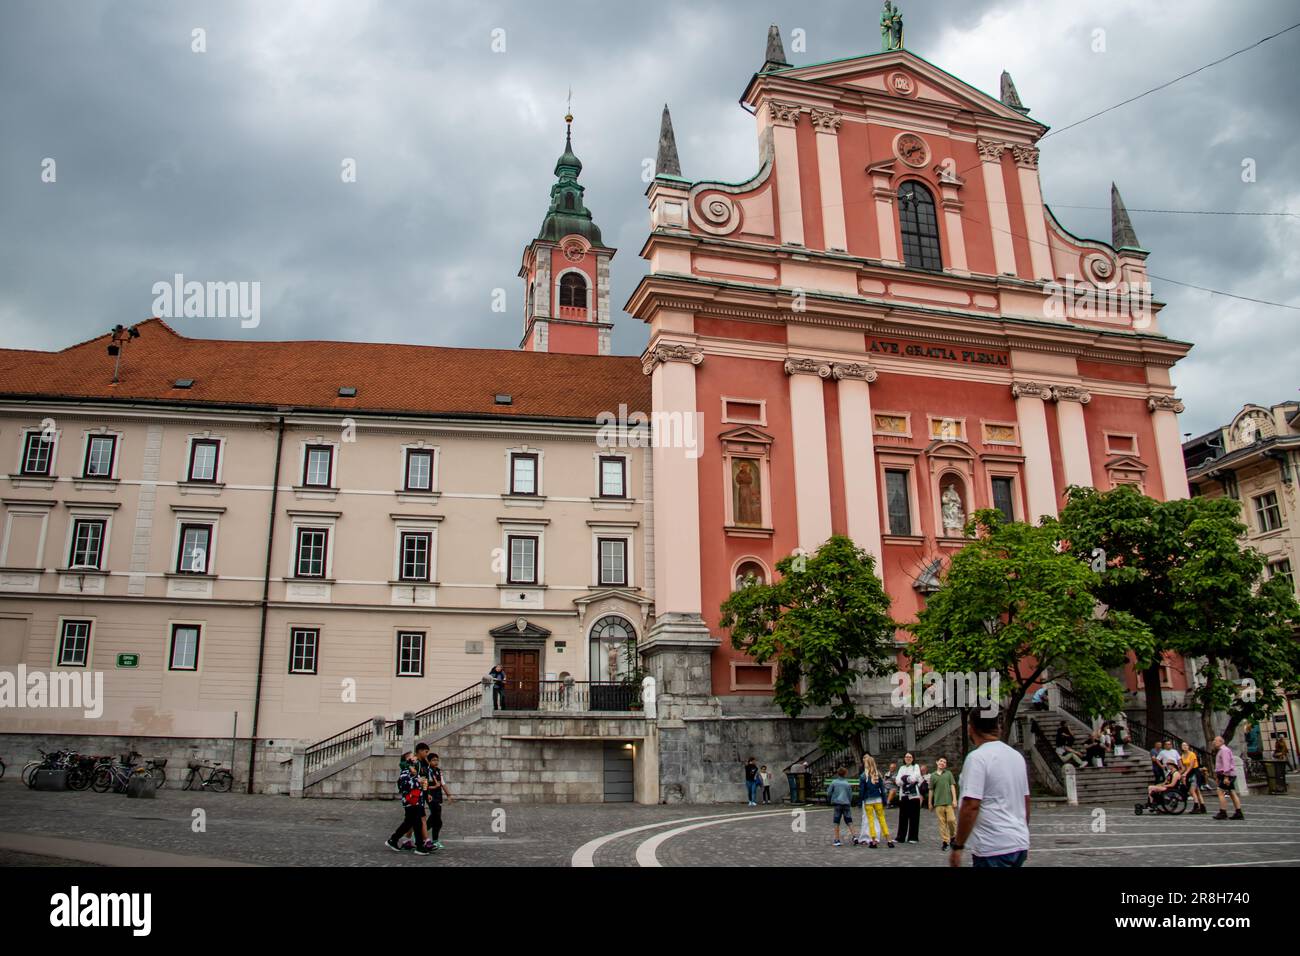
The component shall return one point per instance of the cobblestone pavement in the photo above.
(44, 829)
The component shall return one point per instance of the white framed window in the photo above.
(318, 466)
(195, 548)
(184, 652)
(74, 642)
(612, 558)
(311, 551)
(204, 461)
(613, 476)
(88, 537)
(37, 453)
(410, 653)
(1268, 515)
(101, 456)
(523, 553)
(417, 474)
(304, 650)
(416, 550)
(524, 469)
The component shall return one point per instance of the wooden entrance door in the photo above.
(523, 677)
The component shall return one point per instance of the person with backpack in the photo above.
(909, 781)
(410, 787)
(435, 793)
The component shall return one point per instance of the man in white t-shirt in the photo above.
(994, 815)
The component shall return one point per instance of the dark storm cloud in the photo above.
(226, 165)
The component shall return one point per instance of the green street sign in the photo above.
(128, 660)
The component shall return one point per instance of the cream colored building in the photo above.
(308, 534)
(1255, 459)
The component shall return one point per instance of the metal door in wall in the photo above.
(618, 773)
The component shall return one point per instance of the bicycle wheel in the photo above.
(77, 779)
(102, 781)
(221, 781)
(29, 773)
(2, 769)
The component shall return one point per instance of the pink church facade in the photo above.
(882, 331)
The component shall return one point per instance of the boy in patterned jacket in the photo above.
(410, 787)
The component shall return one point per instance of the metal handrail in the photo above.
(340, 745)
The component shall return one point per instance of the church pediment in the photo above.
(746, 436)
(903, 75)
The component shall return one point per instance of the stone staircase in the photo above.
(1121, 779)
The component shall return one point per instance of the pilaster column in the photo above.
(827, 125)
(1031, 194)
(1070, 430)
(1032, 417)
(949, 183)
(784, 118)
(859, 456)
(882, 192)
(1165, 410)
(1004, 254)
(812, 490)
(671, 367)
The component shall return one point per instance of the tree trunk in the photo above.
(856, 743)
(1155, 703)
(1207, 705)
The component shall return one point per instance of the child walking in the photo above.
(871, 787)
(767, 783)
(840, 794)
(411, 788)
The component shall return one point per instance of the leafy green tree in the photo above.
(1012, 603)
(1179, 567)
(1236, 618)
(825, 624)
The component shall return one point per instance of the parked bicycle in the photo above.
(216, 778)
(157, 767)
(115, 777)
(55, 760)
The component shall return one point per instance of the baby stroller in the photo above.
(1172, 801)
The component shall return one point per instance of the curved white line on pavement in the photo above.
(647, 854)
(585, 855)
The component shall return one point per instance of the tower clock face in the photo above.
(573, 252)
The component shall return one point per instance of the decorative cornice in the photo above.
(853, 370)
(1025, 156)
(826, 121)
(784, 114)
(808, 366)
(1164, 403)
(670, 353)
(1071, 393)
(990, 150)
(1030, 390)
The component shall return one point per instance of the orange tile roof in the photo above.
(407, 379)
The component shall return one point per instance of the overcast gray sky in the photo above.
(225, 165)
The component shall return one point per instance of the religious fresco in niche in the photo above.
(947, 429)
(1000, 434)
(892, 425)
(747, 492)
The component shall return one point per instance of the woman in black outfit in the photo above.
(909, 801)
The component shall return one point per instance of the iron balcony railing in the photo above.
(562, 696)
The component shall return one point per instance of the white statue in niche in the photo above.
(1246, 429)
(954, 516)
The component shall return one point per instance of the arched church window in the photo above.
(613, 649)
(573, 290)
(920, 227)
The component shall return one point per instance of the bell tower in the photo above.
(566, 270)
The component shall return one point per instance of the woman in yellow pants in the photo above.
(871, 788)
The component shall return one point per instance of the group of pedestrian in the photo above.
(420, 783)
(757, 781)
(993, 790)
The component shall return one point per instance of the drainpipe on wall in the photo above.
(266, 595)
